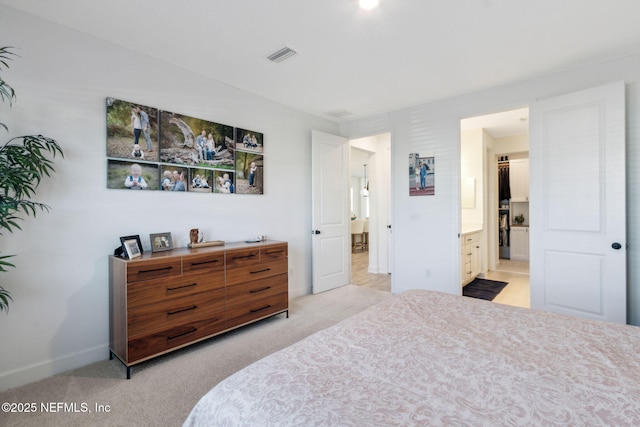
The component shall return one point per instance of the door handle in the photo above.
(315, 231)
(616, 245)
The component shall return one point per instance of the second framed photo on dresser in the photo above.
(161, 242)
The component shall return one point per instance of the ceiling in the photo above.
(500, 125)
(359, 63)
(358, 158)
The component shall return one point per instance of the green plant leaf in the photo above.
(4, 264)
(4, 299)
(6, 91)
(24, 161)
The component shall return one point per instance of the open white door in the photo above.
(577, 195)
(330, 211)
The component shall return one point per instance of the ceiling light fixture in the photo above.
(368, 4)
(364, 192)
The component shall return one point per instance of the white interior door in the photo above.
(330, 211)
(577, 194)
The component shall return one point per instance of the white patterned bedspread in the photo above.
(428, 358)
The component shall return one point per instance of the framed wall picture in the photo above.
(132, 176)
(194, 142)
(249, 173)
(132, 131)
(132, 249)
(249, 140)
(161, 242)
(421, 175)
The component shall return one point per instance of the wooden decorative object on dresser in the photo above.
(164, 301)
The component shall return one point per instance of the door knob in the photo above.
(616, 245)
(315, 231)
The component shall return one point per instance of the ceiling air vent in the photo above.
(281, 55)
(339, 113)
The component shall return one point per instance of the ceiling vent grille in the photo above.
(338, 114)
(281, 55)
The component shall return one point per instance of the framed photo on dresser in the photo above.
(161, 242)
(135, 237)
(132, 249)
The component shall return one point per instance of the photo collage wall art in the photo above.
(149, 149)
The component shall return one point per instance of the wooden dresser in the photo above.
(167, 300)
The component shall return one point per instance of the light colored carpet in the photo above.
(162, 392)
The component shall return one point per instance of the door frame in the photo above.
(389, 209)
(382, 155)
(491, 256)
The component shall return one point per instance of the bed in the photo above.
(429, 358)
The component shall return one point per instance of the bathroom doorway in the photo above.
(494, 157)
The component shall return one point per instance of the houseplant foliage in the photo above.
(24, 161)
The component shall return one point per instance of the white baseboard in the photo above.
(373, 269)
(38, 371)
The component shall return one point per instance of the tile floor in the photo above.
(517, 274)
(360, 276)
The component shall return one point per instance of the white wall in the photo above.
(59, 319)
(472, 166)
(512, 144)
(426, 228)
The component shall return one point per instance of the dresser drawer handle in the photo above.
(156, 269)
(193, 307)
(244, 256)
(181, 287)
(193, 264)
(259, 271)
(190, 331)
(254, 291)
(274, 252)
(255, 310)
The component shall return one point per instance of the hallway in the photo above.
(361, 277)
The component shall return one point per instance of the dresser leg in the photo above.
(128, 368)
(287, 314)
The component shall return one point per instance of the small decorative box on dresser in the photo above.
(167, 300)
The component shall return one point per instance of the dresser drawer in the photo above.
(255, 272)
(274, 252)
(203, 262)
(242, 257)
(153, 269)
(176, 312)
(256, 309)
(246, 292)
(158, 342)
(152, 291)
